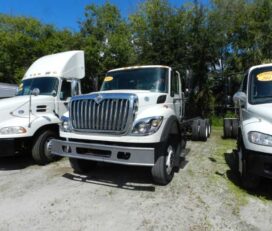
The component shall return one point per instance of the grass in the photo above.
(217, 121)
(220, 156)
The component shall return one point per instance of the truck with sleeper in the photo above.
(137, 118)
(30, 119)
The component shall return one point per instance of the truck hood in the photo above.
(146, 98)
(11, 106)
(262, 111)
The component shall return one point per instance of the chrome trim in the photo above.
(114, 114)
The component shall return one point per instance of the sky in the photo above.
(66, 13)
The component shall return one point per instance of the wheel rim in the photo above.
(48, 146)
(206, 132)
(209, 129)
(169, 160)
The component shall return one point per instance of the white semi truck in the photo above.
(137, 118)
(30, 119)
(254, 100)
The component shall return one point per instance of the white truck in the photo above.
(30, 119)
(254, 152)
(7, 90)
(136, 119)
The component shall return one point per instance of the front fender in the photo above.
(36, 122)
(171, 127)
(258, 125)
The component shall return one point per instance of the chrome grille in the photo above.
(114, 114)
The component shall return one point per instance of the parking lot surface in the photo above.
(204, 195)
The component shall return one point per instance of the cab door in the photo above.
(176, 94)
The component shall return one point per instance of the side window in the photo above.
(174, 83)
(75, 87)
(244, 84)
(65, 91)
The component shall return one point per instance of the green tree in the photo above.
(106, 39)
(23, 40)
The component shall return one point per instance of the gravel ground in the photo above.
(204, 195)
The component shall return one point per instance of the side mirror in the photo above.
(35, 92)
(240, 99)
(54, 93)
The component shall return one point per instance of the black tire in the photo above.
(209, 127)
(227, 128)
(195, 130)
(161, 172)
(40, 148)
(203, 130)
(82, 166)
(249, 181)
(235, 127)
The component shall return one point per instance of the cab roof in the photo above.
(259, 66)
(69, 65)
(138, 67)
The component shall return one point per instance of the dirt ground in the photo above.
(204, 195)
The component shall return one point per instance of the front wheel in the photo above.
(41, 148)
(163, 170)
(249, 181)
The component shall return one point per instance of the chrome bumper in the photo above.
(137, 156)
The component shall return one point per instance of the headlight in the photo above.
(260, 138)
(12, 130)
(65, 125)
(147, 126)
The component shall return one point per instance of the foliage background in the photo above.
(215, 44)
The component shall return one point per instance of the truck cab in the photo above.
(135, 119)
(30, 119)
(254, 100)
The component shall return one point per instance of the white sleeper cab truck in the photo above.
(7, 90)
(30, 119)
(254, 156)
(136, 119)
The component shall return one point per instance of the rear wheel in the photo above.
(81, 166)
(41, 148)
(227, 128)
(209, 127)
(235, 127)
(203, 130)
(163, 170)
(195, 130)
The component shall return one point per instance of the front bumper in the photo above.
(260, 164)
(126, 155)
(7, 147)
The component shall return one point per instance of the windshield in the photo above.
(151, 79)
(46, 85)
(261, 86)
